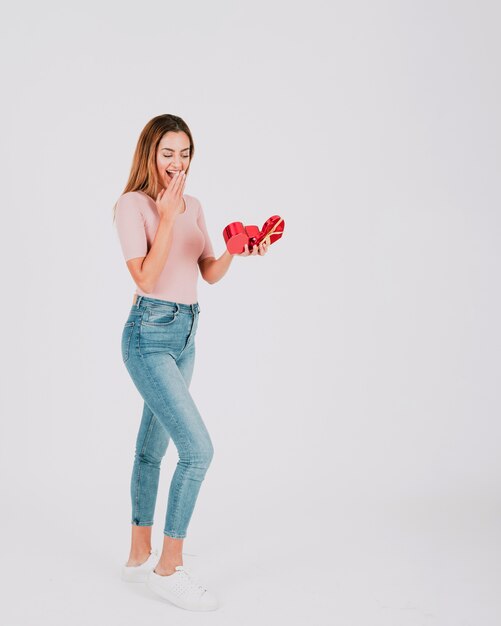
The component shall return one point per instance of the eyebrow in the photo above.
(172, 149)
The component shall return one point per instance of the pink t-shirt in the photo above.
(137, 220)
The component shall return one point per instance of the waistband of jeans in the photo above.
(141, 301)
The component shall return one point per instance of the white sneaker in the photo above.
(182, 589)
(139, 573)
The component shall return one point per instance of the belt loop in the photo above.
(138, 301)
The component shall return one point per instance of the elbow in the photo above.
(206, 269)
(145, 286)
(146, 282)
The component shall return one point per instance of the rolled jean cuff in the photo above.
(174, 535)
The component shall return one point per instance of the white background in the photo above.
(349, 379)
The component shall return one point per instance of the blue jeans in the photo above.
(158, 350)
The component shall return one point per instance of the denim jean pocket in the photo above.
(126, 337)
(159, 316)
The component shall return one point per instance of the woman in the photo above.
(164, 240)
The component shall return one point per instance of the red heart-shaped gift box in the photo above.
(236, 235)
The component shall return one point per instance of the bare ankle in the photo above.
(138, 557)
(164, 572)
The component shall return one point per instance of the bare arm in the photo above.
(146, 270)
(213, 269)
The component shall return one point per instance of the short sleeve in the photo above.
(208, 249)
(130, 226)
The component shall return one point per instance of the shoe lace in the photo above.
(192, 578)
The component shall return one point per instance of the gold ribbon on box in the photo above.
(267, 237)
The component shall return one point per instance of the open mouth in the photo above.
(172, 172)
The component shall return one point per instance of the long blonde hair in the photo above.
(143, 172)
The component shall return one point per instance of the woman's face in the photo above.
(173, 155)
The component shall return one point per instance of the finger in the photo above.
(175, 180)
(172, 185)
(179, 183)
